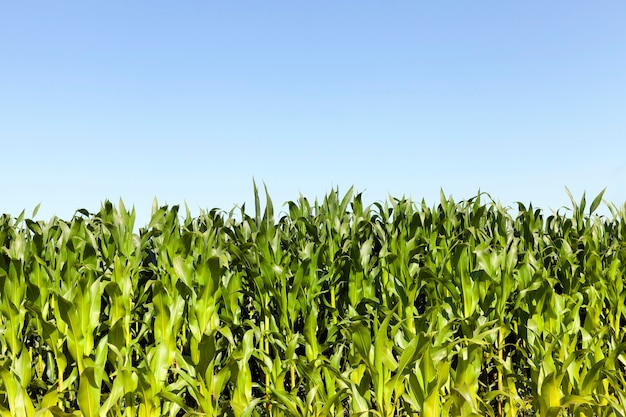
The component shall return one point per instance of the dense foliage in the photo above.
(329, 308)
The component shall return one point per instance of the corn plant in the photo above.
(324, 307)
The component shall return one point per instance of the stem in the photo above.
(500, 343)
(266, 349)
(332, 303)
(385, 279)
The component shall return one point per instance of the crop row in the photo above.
(329, 308)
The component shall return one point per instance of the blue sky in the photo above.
(189, 101)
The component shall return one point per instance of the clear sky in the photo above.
(189, 101)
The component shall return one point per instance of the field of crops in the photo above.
(328, 308)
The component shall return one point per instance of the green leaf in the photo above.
(361, 339)
(596, 202)
(359, 404)
(291, 402)
(550, 399)
(54, 410)
(88, 393)
(20, 403)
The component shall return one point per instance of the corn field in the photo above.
(322, 309)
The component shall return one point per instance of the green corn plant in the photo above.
(331, 308)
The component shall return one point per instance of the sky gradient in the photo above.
(189, 102)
